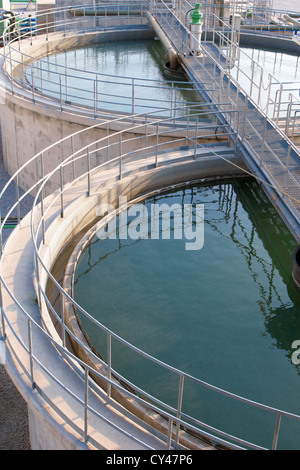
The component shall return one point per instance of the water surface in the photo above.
(227, 314)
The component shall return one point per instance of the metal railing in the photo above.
(93, 95)
(81, 89)
(273, 160)
(78, 167)
(82, 165)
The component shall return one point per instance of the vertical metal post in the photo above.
(86, 403)
(108, 363)
(73, 162)
(260, 86)
(276, 432)
(2, 316)
(107, 143)
(172, 100)
(132, 97)
(32, 84)
(288, 117)
(196, 136)
(245, 115)
(279, 103)
(60, 92)
(269, 94)
(95, 97)
(179, 405)
(30, 26)
(37, 279)
(18, 198)
(66, 84)
(120, 156)
(175, 103)
(263, 140)
(11, 71)
(30, 352)
(156, 147)
(88, 172)
(61, 191)
(187, 127)
(146, 131)
(63, 325)
(288, 159)
(42, 199)
(169, 441)
(47, 27)
(252, 80)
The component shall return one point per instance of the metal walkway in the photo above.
(267, 151)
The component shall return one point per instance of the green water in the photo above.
(116, 66)
(227, 313)
(284, 67)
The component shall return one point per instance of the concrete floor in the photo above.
(14, 433)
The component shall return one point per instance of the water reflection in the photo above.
(265, 244)
(84, 76)
(227, 313)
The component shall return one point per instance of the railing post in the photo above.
(61, 191)
(32, 84)
(146, 131)
(18, 198)
(2, 316)
(279, 103)
(260, 86)
(169, 440)
(66, 84)
(172, 100)
(179, 405)
(252, 80)
(288, 116)
(11, 72)
(47, 27)
(73, 162)
(63, 327)
(88, 172)
(95, 96)
(109, 364)
(263, 140)
(156, 147)
(120, 156)
(245, 115)
(196, 136)
(30, 353)
(60, 92)
(187, 127)
(132, 97)
(42, 199)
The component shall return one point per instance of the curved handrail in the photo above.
(58, 87)
(36, 230)
(35, 234)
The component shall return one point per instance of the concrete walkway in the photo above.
(14, 432)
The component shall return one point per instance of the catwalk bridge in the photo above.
(268, 152)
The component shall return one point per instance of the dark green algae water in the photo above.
(227, 314)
